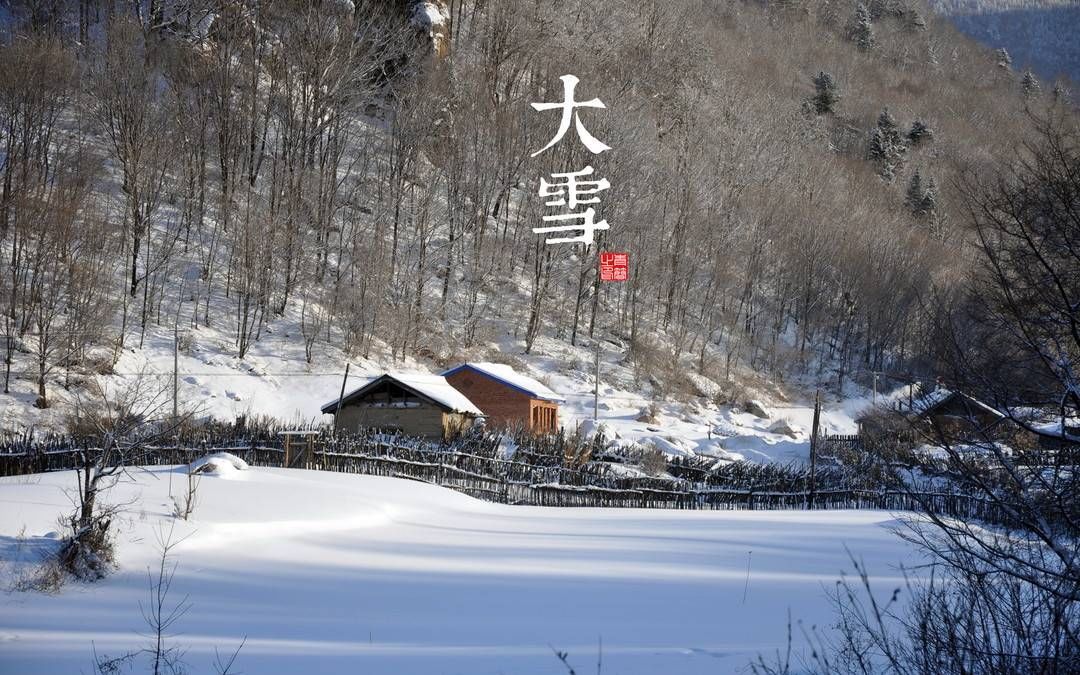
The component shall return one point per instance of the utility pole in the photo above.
(814, 447)
(9, 348)
(176, 374)
(341, 397)
(176, 356)
(596, 385)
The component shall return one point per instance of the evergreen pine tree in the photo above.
(915, 195)
(919, 132)
(1004, 60)
(862, 30)
(1030, 85)
(886, 146)
(1061, 94)
(928, 204)
(887, 123)
(826, 95)
(916, 20)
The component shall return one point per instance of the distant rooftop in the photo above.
(433, 387)
(924, 403)
(511, 378)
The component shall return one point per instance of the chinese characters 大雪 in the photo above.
(571, 190)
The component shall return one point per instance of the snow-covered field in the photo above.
(333, 573)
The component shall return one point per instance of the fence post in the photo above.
(814, 449)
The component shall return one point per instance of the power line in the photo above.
(338, 374)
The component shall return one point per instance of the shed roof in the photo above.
(434, 388)
(511, 378)
(1069, 431)
(931, 401)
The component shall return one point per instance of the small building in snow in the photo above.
(408, 403)
(507, 397)
(954, 413)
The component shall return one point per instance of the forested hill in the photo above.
(1040, 34)
(359, 177)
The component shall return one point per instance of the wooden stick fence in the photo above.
(507, 481)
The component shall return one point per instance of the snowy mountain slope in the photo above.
(415, 237)
(439, 306)
(335, 573)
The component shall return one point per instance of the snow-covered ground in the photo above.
(680, 428)
(274, 379)
(334, 573)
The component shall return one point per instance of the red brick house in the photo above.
(507, 397)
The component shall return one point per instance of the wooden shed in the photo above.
(507, 397)
(412, 404)
(955, 413)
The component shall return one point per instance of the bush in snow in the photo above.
(649, 415)
(653, 461)
(89, 554)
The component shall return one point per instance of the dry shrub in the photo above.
(650, 358)
(185, 342)
(90, 553)
(86, 555)
(653, 461)
(507, 359)
(650, 414)
(48, 577)
(577, 454)
(730, 394)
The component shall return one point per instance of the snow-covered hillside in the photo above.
(414, 233)
(333, 573)
(275, 380)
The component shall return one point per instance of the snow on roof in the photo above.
(1070, 431)
(434, 387)
(924, 403)
(928, 401)
(509, 376)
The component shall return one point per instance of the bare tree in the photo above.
(159, 616)
(113, 424)
(184, 505)
(1005, 596)
(130, 112)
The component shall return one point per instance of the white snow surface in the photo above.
(434, 387)
(337, 573)
(507, 374)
